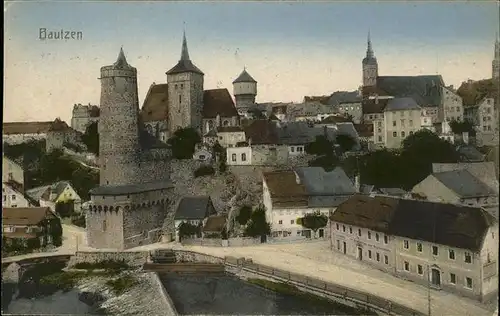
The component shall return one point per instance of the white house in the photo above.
(289, 195)
(12, 171)
(230, 136)
(239, 156)
(50, 195)
(452, 108)
(417, 240)
(13, 196)
(193, 210)
(401, 119)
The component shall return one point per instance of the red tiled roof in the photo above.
(25, 215)
(218, 102)
(155, 106)
(284, 189)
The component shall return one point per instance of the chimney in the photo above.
(465, 137)
(250, 142)
(357, 184)
(376, 99)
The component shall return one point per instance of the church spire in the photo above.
(121, 61)
(184, 52)
(497, 47)
(369, 49)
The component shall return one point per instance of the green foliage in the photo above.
(65, 209)
(244, 215)
(183, 143)
(91, 138)
(30, 152)
(459, 127)
(381, 168)
(258, 226)
(314, 221)
(320, 146)
(55, 231)
(83, 180)
(220, 152)
(328, 162)
(111, 265)
(224, 234)
(188, 230)
(204, 171)
(122, 284)
(345, 142)
(33, 243)
(79, 221)
(473, 93)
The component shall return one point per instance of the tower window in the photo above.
(175, 86)
(182, 86)
(180, 99)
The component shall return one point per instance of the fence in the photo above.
(217, 242)
(349, 295)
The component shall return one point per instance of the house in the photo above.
(202, 154)
(230, 136)
(12, 171)
(214, 226)
(366, 136)
(13, 196)
(444, 246)
(59, 192)
(289, 195)
(484, 171)
(469, 153)
(22, 224)
(352, 109)
(401, 119)
(261, 147)
(296, 135)
(192, 210)
(457, 187)
(311, 111)
(373, 109)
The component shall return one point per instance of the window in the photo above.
(243, 157)
(180, 99)
(435, 250)
(411, 132)
(233, 157)
(386, 239)
(453, 278)
(338, 244)
(380, 138)
(376, 237)
(338, 227)
(468, 257)
(350, 230)
(406, 244)
(292, 221)
(393, 123)
(410, 122)
(182, 86)
(369, 235)
(407, 266)
(369, 254)
(378, 256)
(13, 197)
(175, 86)
(379, 124)
(419, 247)
(343, 228)
(451, 254)
(359, 232)
(292, 149)
(394, 134)
(386, 259)
(403, 134)
(420, 270)
(104, 225)
(280, 222)
(468, 283)
(403, 122)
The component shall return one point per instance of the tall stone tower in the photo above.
(185, 93)
(245, 91)
(370, 66)
(118, 125)
(496, 60)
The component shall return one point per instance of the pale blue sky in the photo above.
(292, 49)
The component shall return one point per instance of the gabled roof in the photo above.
(401, 104)
(463, 183)
(469, 153)
(319, 182)
(155, 106)
(215, 223)
(446, 224)
(425, 90)
(218, 102)
(14, 128)
(25, 215)
(261, 132)
(244, 77)
(193, 207)
(43, 192)
(284, 189)
(15, 187)
(484, 171)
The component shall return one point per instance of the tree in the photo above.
(188, 230)
(328, 162)
(459, 127)
(346, 142)
(91, 138)
(320, 146)
(258, 226)
(244, 215)
(314, 221)
(65, 209)
(220, 153)
(204, 171)
(183, 143)
(55, 231)
(83, 180)
(380, 168)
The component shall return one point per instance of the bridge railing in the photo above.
(357, 297)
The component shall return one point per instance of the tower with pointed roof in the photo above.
(496, 60)
(185, 93)
(370, 66)
(245, 91)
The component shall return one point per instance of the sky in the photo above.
(292, 49)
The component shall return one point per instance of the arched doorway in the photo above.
(435, 276)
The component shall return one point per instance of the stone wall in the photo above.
(169, 307)
(189, 256)
(134, 259)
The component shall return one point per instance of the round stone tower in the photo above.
(245, 91)
(118, 123)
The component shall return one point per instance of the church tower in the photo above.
(118, 123)
(185, 93)
(496, 60)
(370, 66)
(245, 91)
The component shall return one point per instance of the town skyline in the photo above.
(316, 57)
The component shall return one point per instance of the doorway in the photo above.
(360, 253)
(345, 247)
(321, 233)
(435, 277)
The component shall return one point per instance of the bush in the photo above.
(79, 221)
(204, 171)
(122, 284)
